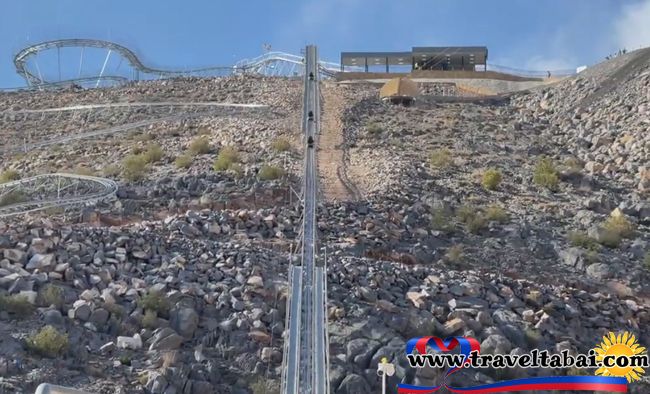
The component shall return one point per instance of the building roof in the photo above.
(376, 58)
(450, 55)
(402, 87)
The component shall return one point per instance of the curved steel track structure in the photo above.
(21, 58)
(269, 64)
(52, 190)
(224, 109)
(266, 63)
(136, 104)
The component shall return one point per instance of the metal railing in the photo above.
(531, 74)
(327, 331)
(285, 351)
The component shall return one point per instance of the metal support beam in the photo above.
(81, 61)
(101, 74)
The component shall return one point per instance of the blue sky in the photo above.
(523, 34)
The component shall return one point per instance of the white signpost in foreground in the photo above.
(385, 369)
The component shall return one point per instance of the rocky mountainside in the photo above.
(519, 220)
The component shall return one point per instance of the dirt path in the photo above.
(331, 166)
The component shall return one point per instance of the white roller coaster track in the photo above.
(52, 190)
(268, 64)
(274, 63)
(128, 105)
(221, 109)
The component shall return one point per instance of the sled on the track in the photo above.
(310, 142)
(310, 116)
(311, 76)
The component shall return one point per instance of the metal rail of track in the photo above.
(327, 68)
(52, 190)
(122, 128)
(307, 348)
(320, 345)
(291, 366)
(269, 63)
(321, 339)
(138, 104)
(21, 58)
(309, 225)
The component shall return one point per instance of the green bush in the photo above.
(237, 169)
(183, 161)
(619, 225)
(468, 215)
(281, 145)
(143, 137)
(546, 174)
(230, 153)
(440, 221)
(533, 338)
(155, 301)
(227, 157)
(268, 173)
(491, 179)
(150, 319)
(454, 253)
(441, 158)
(153, 153)
(125, 360)
(496, 214)
(48, 342)
(12, 198)
(51, 295)
(9, 175)
(221, 164)
(16, 305)
(465, 213)
(264, 387)
(610, 238)
(199, 146)
(582, 240)
(476, 224)
(374, 128)
(134, 167)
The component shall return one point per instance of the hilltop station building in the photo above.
(421, 58)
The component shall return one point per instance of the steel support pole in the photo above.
(58, 58)
(40, 75)
(101, 74)
(81, 61)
